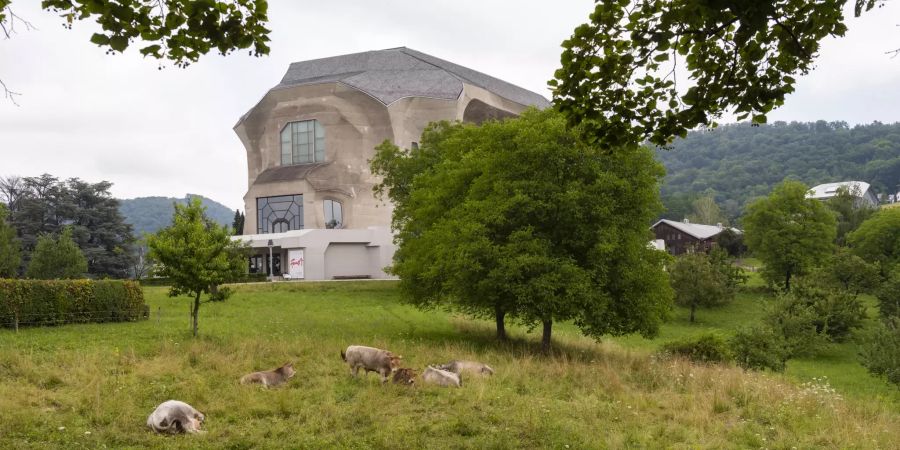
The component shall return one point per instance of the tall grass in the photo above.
(94, 385)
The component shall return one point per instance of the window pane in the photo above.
(338, 215)
(320, 130)
(286, 146)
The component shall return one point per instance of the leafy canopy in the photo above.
(175, 30)
(10, 252)
(521, 215)
(57, 258)
(196, 254)
(789, 232)
(877, 240)
(698, 283)
(45, 205)
(619, 74)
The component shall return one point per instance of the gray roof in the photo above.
(392, 74)
(697, 230)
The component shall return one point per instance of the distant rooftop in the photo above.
(391, 74)
(696, 230)
(829, 190)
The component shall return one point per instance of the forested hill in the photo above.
(740, 162)
(149, 214)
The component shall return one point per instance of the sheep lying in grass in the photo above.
(473, 367)
(270, 378)
(174, 417)
(433, 375)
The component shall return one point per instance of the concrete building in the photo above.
(860, 189)
(309, 142)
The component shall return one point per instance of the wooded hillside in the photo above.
(149, 214)
(739, 162)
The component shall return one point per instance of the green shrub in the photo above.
(759, 348)
(889, 297)
(57, 302)
(880, 351)
(707, 348)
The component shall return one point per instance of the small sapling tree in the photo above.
(197, 255)
(698, 283)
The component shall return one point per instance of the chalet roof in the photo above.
(829, 190)
(391, 74)
(696, 230)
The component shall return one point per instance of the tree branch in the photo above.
(8, 94)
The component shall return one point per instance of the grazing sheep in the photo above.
(371, 359)
(405, 376)
(174, 417)
(473, 367)
(433, 375)
(270, 378)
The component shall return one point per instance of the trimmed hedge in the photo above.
(58, 302)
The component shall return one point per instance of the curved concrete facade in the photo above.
(360, 100)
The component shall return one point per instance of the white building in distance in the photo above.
(860, 189)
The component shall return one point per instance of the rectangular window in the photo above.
(302, 142)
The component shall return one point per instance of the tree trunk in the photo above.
(545, 340)
(195, 312)
(693, 307)
(501, 325)
(787, 281)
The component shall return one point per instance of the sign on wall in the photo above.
(295, 263)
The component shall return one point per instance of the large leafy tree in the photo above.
(10, 253)
(46, 205)
(619, 74)
(179, 31)
(197, 255)
(57, 258)
(877, 240)
(789, 232)
(520, 218)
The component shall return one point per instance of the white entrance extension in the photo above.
(325, 254)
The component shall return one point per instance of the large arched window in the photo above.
(302, 142)
(334, 214)
(279, 214)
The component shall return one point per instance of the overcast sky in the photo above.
(167, 132)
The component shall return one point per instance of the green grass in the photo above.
(89, 386)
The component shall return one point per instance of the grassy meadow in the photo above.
(92, 386)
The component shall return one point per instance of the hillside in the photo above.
(149, 214)
(739, 162)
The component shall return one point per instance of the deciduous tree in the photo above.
(46, 205)
(197, 255)
(519, 218)
(877, 240)
(699, 284)
(789, 232)
(619, 76)
(179, 31)
(10, 253)
(57, 258)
